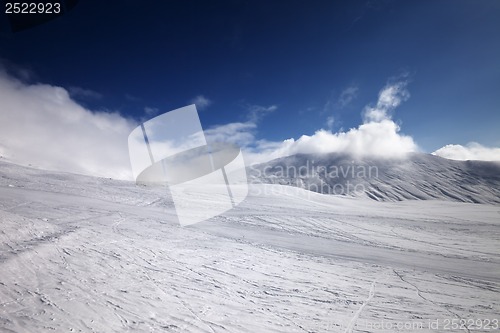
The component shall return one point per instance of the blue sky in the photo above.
(312, 64)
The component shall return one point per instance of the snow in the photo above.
(416, 176)
(83, 254)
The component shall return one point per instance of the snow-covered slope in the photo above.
(83, 254)
(418, 177)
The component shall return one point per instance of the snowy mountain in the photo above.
(416, 177)
(86, 254)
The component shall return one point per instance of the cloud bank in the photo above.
(42, 125)
(472, 151)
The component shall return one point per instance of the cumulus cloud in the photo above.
(378, 135)
(42, 125)
(381, 139)
(472, 151)
(201, 102)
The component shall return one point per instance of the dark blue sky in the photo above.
(297, 55)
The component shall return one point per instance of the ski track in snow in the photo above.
(352, 323)
(83, 254)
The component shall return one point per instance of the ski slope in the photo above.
(83, 254)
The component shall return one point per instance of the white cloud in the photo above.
(380, 139)
(347, 96)
(379, 135)
(472, 151)
(201, 102)
(257, 112)
(374, 138)
(41, 125)
(241, 134)
(389, 98)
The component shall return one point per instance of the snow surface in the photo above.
(83, 254)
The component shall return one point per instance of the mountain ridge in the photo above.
(417, 176)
